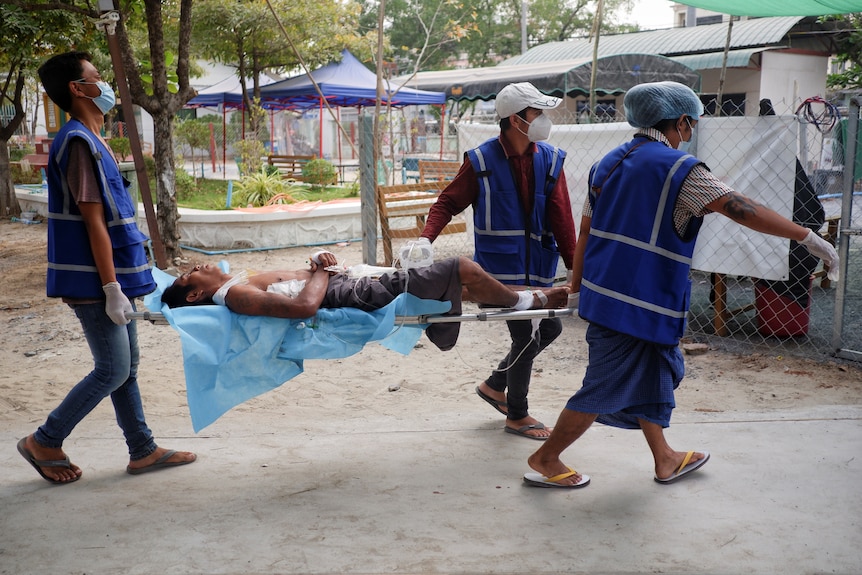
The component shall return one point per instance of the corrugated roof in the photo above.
(615, 74)
(735, 59)
(753, 33)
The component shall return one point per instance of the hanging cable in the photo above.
(822, 114)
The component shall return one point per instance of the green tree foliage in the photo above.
(121, 147)
(29, 38)
(144, 33)
(432, 35)
(196, 135)
(422, 34)
(849, 49)
(244, 34)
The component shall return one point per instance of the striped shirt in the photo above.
(699, 189)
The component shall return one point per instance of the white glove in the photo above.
(117, 304)
(823, 250)
(574, 300)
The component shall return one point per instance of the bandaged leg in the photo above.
(483, 288)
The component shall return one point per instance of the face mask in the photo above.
(683, 145)
(539, 130)
(106, 100)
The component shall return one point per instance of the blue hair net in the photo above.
(648, 104)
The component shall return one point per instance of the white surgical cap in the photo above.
(648, 104)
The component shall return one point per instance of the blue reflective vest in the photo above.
(636, 265)
(72, 271)
(513, 246)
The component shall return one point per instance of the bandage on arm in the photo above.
(240, 278)
(526, 301)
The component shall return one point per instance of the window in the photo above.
(731, 104)
(704, 20)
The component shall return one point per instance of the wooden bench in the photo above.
(431, 170)
(409, 203)
(290, 167)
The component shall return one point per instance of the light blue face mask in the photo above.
(683, 145)
(106, 100)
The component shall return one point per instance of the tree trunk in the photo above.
(166, 192)
(9, 205)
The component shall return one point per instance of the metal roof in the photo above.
(671, 42)
(615, 74)
(735, 59)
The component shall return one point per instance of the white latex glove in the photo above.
(117, 304)
(823, 250)
(574, 300)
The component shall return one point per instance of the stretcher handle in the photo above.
(495, 315)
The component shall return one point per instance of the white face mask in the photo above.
(540, 128)
(684, 145)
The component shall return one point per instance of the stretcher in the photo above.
(423, 319)
(229, 358)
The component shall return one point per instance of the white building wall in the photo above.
(737, 81)
(791, 78)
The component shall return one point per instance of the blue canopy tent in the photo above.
(347, 83)
(227, 93)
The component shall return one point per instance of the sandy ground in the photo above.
(376, 391)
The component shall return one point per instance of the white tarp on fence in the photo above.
(754, 155)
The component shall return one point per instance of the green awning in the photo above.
(778, 7)
(735, 59)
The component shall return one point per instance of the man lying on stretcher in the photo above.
(300, 293)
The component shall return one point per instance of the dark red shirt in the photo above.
(463, 191)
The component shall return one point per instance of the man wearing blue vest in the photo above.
(96, 263)
(523, 225)
(640, 221)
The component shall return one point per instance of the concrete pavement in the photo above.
(371, 494)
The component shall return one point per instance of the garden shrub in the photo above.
(186, 185)
(22, 176)
(121, 147)
(257, 188)
(251, 154)
(319, 172)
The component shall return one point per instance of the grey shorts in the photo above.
(440, 281)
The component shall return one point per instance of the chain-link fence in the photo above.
(749, 289)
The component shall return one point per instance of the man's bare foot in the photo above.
(497, 399)
(61, 469)
(552, 468)
(540, 431)
(160, 459)
(679, 463)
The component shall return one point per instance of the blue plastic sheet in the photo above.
(230, 358)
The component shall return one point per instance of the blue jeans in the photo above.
(115, 358)
(513, 373)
